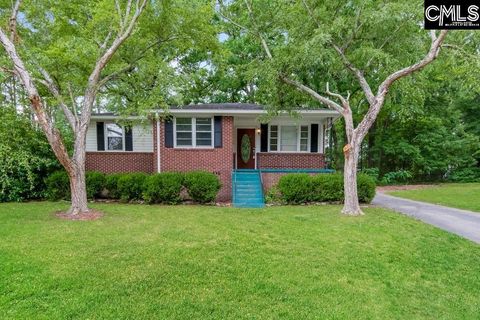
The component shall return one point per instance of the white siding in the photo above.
(91, 143)
(142, 137)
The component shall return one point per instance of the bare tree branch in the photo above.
(13, 21)
(343, 100)
(329, 103)
(259, 34)
(53, 88)
(459, 49)
(358, 73)
(103, 45)
(431, 55)
(358, 26)
(127, 11)
(72, 99)
(5, 69)
(94, 78)
(310, 13)
(238, 25)
(373, 111)
(120, 16)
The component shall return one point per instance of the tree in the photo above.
(299, 40)
(77, 119)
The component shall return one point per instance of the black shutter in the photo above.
(168, 133)
(128, 139)
(314, 138)
(264, 137)
(100, 136)
(217, 131)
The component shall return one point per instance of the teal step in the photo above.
(247, 189)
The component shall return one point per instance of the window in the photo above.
(183, 127)
(114, 137)
(193, 132)
(303, 138)
(273, 138)
(289, 138)
(203, 132)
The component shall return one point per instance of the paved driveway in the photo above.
(462, 222)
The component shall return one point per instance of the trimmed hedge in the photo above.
(95, 184)
(202, 186)
(130, 186)
(366, 188)
(302, 188)
(111, 185)
(296, 188)
(58, 185)
(163, 188)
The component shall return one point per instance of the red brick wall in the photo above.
(278, 160)
(216, 160)
(112, 162)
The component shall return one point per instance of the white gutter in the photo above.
(158, 143)
(229, 112)
(243, 112)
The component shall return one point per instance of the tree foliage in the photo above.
(25, 157)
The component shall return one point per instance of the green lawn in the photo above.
(458, 195)
(192, 262)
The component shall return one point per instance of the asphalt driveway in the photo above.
(461, 222)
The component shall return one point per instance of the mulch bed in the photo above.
(404, 187)
(87, 216)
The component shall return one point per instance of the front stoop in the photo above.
(247, 189)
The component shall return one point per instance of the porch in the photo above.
(282, 143)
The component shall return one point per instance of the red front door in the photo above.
(245, 148)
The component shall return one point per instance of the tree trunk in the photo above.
(78, 185)
(351, 205)
(78, 191)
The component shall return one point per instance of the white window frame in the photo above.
(279, 134)
(105, 136)
(194, 134)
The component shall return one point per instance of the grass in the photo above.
(193, 262)
(457, 195)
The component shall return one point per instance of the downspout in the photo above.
(158, 142)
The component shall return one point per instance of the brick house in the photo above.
(219, 138)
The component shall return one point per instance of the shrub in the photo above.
(400, 176)
(163, 188)
(466, 175)
(302, 188)
(202, 186)
(273, 195)
(327, 188)
(58, 186)
(111, 184)
(296, 188)
(372, 172)
(95, 184)
(366, 188)
(22, 174)
(130, 186)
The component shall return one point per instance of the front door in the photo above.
(245, 148)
